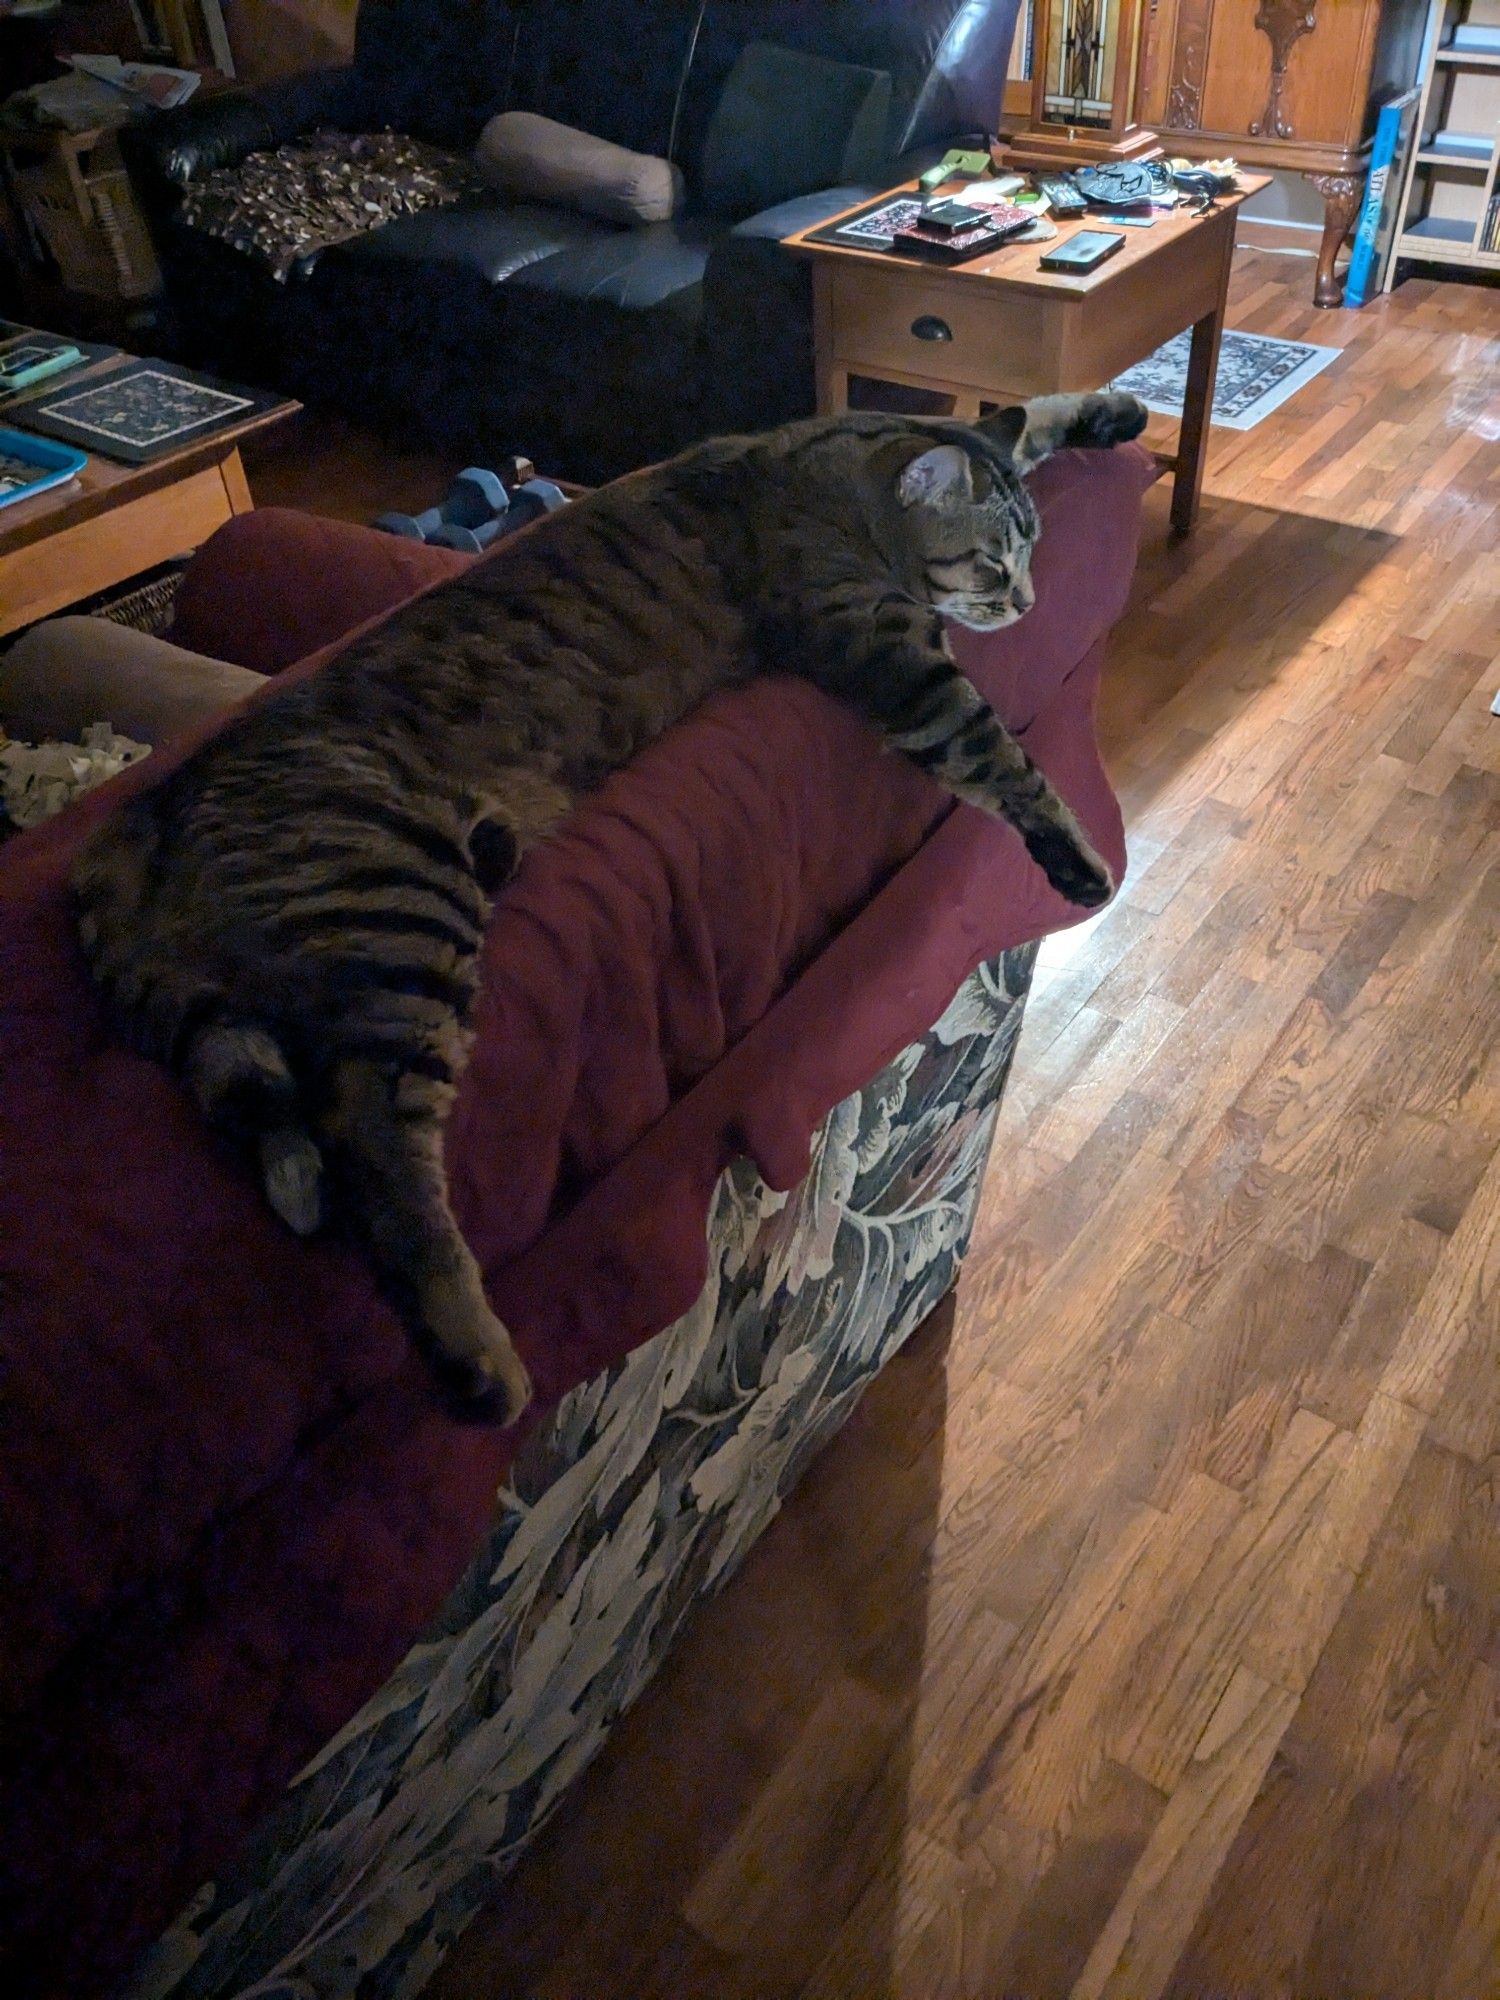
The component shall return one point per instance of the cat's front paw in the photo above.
(1113, 418)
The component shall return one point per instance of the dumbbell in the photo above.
(468, 518)
(532, 498)
(412, 527)
(477, 507)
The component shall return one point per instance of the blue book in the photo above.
(1376, 225)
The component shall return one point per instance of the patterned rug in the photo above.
(1256, 375)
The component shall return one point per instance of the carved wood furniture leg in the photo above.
(1197, 402)
(1341, 193)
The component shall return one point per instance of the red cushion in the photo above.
(273, 586)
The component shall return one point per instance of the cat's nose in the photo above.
(1023, 597)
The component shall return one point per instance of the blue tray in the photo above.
(54, 464)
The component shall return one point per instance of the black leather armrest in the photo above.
(803, 211)
(168, 151)
(806, 211)
(756, 329)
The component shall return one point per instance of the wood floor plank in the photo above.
(797, 1858)
(1072, 1900)
(1459, 1312)
(1351, 1370)
(1144, 1934)
(1296, 1908)
(1473, 1968)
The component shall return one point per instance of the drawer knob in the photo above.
(930, 327)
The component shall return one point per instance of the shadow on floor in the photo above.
(1226, 611)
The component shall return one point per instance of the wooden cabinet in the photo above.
(1282, 83)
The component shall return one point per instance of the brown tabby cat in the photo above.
(292, 918)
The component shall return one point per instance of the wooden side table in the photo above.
(115, 521)
(1000, 330)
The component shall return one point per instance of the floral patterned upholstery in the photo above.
(642, 1495)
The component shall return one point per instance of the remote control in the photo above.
(1062, 192)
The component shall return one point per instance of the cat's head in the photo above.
(968, 521)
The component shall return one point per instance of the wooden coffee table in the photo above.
(114, 521)
(999, 329)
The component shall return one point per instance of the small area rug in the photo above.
(1257, 373)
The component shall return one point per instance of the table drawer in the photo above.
(972, 335)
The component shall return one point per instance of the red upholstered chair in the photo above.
(230, 1497)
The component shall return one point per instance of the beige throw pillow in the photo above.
(536, 159)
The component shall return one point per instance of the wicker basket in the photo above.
(147, 604)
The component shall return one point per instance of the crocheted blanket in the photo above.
(284, 207)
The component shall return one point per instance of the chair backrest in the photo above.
(647, 73)
(946, 59)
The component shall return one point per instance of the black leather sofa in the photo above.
(499, 325)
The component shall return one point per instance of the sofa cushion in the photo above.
(946, 60)
(524, 329)
(330, 578)
(490, 239)
(613, 67)
(437, 70)
(787, 124)
(537, 159)
(628, 271)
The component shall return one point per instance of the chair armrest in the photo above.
(803, 211)
(169, 151)
(69, 672)
(756, 331)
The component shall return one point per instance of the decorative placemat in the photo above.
(142, 411)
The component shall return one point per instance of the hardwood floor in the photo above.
(1140, 1635)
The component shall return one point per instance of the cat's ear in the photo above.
(942, 472)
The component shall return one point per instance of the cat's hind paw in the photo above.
(1073, 868)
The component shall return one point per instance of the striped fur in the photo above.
(291, 919)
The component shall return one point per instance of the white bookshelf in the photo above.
(1451, 187)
